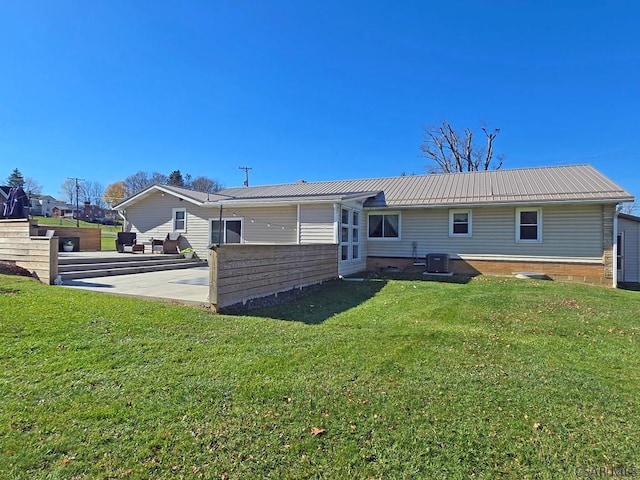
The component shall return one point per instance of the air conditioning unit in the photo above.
(438, 263)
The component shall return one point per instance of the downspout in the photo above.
(298, 226)
(220, 239)
(615, 248)
(124, 220)
(336, 217)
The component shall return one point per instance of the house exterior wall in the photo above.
(266, 225)
(152, 217)
(577, 242)
(568, 231)
(631, 252)
(317, 223)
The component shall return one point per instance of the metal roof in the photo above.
(525, 185)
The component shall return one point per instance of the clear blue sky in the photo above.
(313, 90)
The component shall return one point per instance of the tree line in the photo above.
(448, 150)
(96, 194)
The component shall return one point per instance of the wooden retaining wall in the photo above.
(239, 273)
(89, 237)
(37, 254)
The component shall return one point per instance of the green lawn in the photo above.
(495, 378)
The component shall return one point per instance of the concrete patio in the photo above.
(189, 286)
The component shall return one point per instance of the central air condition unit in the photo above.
(437, 263)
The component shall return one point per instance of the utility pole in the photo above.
(77, 198)
(246, 175)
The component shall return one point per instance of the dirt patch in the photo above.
(8, 268)
(270, 300)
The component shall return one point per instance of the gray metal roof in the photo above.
(526, 185)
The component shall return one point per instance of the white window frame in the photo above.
(385, 239)
(224, 228)
(452, 214)
(538, 225)
(349, 243)
(174, 220)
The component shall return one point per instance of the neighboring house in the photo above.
(555, 220)
(43, 204)
(628, 260)
(62, 210)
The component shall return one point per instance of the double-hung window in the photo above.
(179, 219)
(384, 225)
(528, 225)
(459, 223)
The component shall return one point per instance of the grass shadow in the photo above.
(631, 286)
(312, 305)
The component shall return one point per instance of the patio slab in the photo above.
(189, 286)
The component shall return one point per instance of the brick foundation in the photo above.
(567, 272)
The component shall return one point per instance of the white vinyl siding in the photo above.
(631, 252)
(152, 217)
(267, 225)
(316, 224)
(569, 231)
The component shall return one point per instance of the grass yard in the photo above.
(495, 378)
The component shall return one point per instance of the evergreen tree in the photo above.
(175, 179)
(15, 179)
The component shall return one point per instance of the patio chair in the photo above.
(125, 239)
(170, 244)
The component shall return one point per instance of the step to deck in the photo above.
(78, 268)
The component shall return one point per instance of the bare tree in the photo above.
(31, 186)
(157, 177)
(630, 208)
(68, 188)
(451, 151)
(205, 184)
(137, 182)
(92, 193)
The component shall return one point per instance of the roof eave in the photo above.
(503, 203)
(148, 191)
(288, 201)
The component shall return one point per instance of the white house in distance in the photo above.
(560, 221)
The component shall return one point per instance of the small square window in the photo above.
(459, 223)
(179, 219)
(528, 225)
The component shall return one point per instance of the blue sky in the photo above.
(314, 90)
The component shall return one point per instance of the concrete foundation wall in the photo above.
(561, 271)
